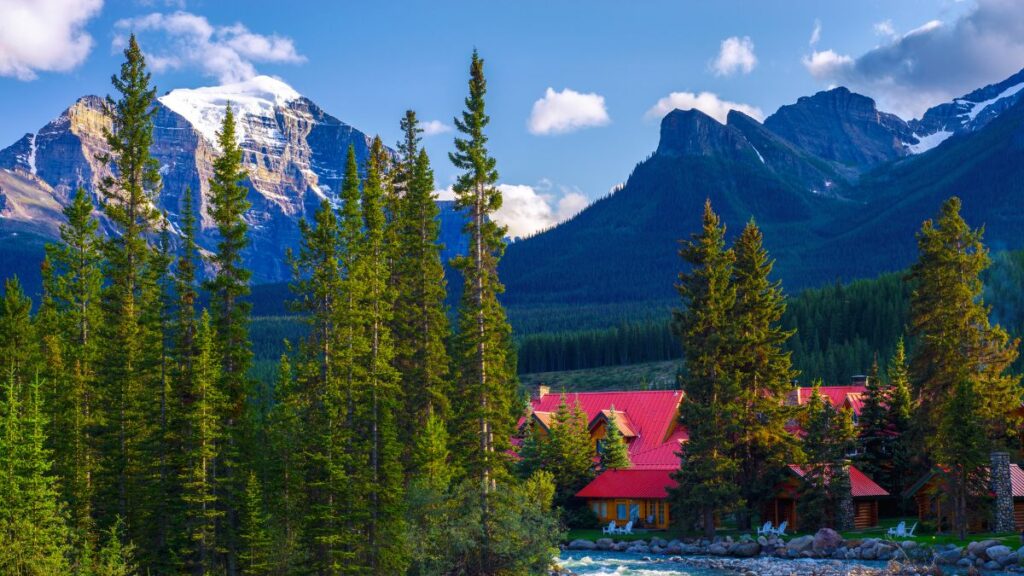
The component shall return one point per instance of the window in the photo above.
(634, 512)
(660, 510)
(604, 509)
(620, 511)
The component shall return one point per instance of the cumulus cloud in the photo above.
(526, 210)
(935, 62)
(707, 102)
(434, 127)
(567, 111)
(735, 55)
(186, 40)
(44, 35)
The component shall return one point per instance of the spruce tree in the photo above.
(485, 401)
(568, 455)
(961, 449)
(764, 371)
(386, 483)
(706, 478)
(255, 553)
(899, 417)
(875, 437)
(230, 313)
(829, 438)
(34, 537)
(130, 384)
(73, 288)
(19, 346)
(201, 445)
(954, 339)
(614, 451)
(115, 558)
(420, 322)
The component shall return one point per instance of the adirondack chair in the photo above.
(627, 529)
(910, 532)
(899, 530)
(766, 529)
(781, 530)
(610, 528)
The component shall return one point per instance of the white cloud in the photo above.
(434, 127)
(526, 210)
(228, 53)
(706, 102)
(567, 111)
(935, 62)
(736, 54)
(815, 33)
(44, 35)
(826, 64)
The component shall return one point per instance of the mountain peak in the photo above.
(694, 133)
(204, 107)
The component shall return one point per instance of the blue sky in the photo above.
(366, 62)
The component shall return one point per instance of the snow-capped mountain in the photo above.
(294, 153)
(966, 114)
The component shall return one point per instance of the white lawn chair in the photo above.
(627, 529)
(781, 530)
(766, 529)
(610, 528)
(899, 531)
(910, 533)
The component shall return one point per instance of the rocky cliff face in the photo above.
(294, 153)
(842, 127)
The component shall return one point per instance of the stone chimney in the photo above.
(543, 391)
(845, 513)
(1001, 487)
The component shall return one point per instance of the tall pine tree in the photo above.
(954, 340)
(763, 370)
(485, 401)
(706, 478)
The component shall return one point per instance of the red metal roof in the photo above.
(835, 395)
(649, 414)
(860, 485)
(630, 483)
(1017, 481)
(621, 422)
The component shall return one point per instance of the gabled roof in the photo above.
(860, 485)
(650, 483)
(1016, 481)
(651, 415)
(622, 422)
(837, 396)
(544, 418)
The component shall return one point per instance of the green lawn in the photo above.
(922, 537)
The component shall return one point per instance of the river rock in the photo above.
(746, 549)
(948, 556)
(997, 553)
(582, 545)
(826, 540)
(605, 543)
(978, 548)
(800, 544)
(717, 549)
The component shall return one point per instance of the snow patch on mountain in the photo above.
(32, 155)
(926, 143)
(204, 107)
(978, 107)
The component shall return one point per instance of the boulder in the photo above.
(908, 544)
(991, 565)
(674, 548)
(827, 540)
(621, 546)
(746, 549)
(998, 552)
(868, 552)
(605, 543)
(948, 556)
(1010, 559)
(800, 544)
(883, 551)
(965, 563)
(762, 540)
(978, 548)
(582, 545)
(717, 549)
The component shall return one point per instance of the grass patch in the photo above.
(595, 533)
